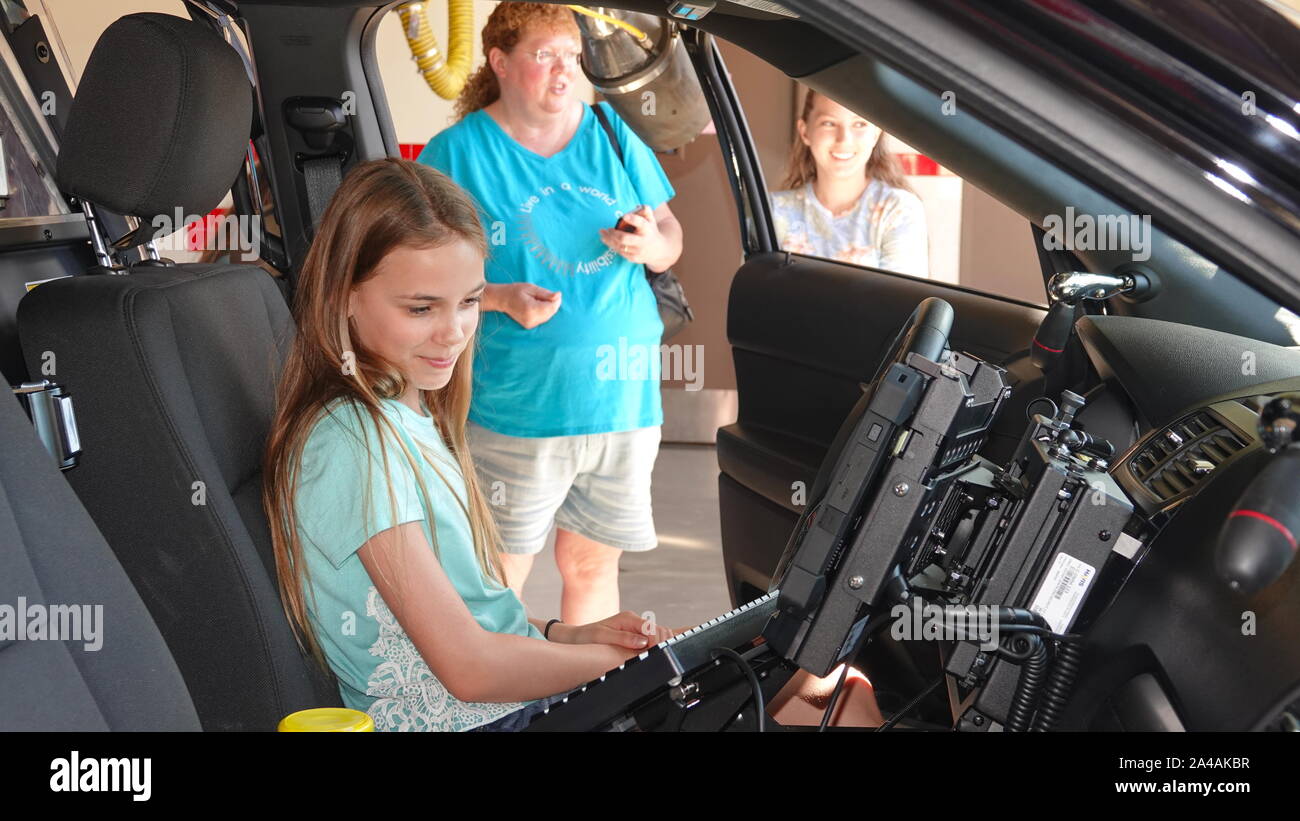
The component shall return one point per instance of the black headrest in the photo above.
(161, 119)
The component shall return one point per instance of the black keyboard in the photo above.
(597, 703)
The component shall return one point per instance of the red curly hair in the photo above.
(505, 27)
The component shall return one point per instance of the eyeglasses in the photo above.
(545, 55)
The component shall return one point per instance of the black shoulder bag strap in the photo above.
(674, 310)
(603, 118)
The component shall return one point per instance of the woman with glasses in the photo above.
(559, 437)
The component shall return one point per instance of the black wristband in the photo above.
(546, 634)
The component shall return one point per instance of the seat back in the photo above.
(173, 373)
(99, 663)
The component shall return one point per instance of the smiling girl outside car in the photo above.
(846, 196)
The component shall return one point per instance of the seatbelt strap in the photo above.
(324, 175)
(228, 31)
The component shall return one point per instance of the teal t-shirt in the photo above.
(594, 366)
(342, 500)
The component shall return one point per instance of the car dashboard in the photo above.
(1176, 647)
(1079, 584)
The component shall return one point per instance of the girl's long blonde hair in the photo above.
(505, 27)
(802, 168)
(381, 205)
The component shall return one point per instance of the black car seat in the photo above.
(173, 370)
(108, 672)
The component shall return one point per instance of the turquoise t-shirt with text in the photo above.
(594, 366)
(343, 498)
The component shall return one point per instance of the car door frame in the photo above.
(759, 245)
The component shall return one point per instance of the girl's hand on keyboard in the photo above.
(626, 629)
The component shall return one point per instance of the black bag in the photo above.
(674, 310)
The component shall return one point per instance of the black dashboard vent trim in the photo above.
(1183, 454)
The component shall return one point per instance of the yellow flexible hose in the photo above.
(445, 76)
(614, 21)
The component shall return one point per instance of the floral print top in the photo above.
(885, 229)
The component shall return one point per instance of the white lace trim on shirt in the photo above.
(408, 696)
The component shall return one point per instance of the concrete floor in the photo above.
(681, 580)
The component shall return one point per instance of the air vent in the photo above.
(1184, 454)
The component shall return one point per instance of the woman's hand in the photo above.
(529, 305)
(646, 245)
(627, 630)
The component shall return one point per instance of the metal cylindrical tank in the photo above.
(651, 84)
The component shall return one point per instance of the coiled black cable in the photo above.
(1059, 685)
(1033, 675)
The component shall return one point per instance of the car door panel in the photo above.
(805, 334)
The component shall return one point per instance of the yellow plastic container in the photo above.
(327, 720)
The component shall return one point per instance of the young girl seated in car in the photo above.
(384, 543)
(385, 547)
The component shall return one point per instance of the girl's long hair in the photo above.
(381, 205)
(801, 167)
(504, 29)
